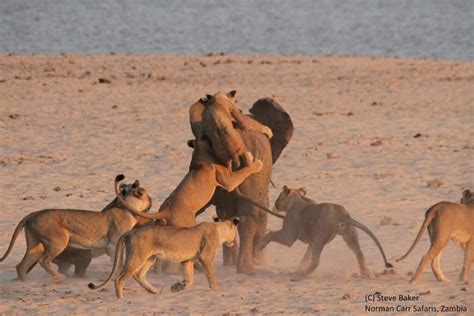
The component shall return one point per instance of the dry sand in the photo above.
(64, 137)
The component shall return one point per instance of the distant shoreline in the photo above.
(225, 55)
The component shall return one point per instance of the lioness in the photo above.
(220, 118)
(316, 224)
(196, 189)
(48, 232)
(445, 221)
(184, 245)
(81, 258)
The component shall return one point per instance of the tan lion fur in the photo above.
(81, 258)
(220, 118)
(317, 224)
(184, 245)
(198, 186)
(445, 221)
(49, 232)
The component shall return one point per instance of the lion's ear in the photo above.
(285, 189)
(215, 218)
(232, 94)
(235, 221)
(191, 143)
(302, 191)
(208, 97)
(136, 184)
(139, 193)
(466, 192)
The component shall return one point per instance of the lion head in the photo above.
(133, 194)
(287, 198)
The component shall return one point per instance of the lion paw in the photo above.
(257, 165)
(268, 132)
(297, 276)
(247, 159)
(178, 286)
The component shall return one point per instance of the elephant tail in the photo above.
(242, 196)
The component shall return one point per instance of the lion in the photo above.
(177, 244)
(445, 221)
(197, 187)
(316, 224)
(220, 117)
(49, 232)
(81, 258)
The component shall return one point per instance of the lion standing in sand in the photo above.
(49, 232)
(317, 224)
(445, 221)
(177, 244)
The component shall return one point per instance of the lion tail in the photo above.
(372, 236)
(118, 258)
(430, 214)
(17, 231)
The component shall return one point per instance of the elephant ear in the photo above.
(195, 117)
(268, 112)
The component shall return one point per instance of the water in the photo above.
(438, 29)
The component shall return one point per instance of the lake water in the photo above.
(441, 29)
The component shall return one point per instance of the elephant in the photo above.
(253, 222)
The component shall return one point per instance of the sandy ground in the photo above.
(64, 137)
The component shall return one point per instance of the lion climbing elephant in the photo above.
(253, 223)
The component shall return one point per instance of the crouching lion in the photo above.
(49, 232)
(177, 244)
(220, 117)
(316, 224)
(445, 221)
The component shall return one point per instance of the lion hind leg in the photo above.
(52, 249)
(436, 247)
(131, 267)
(436, 267)
(34, 251)
(351, 238)
(140, 277)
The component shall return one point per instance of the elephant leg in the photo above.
(81, 264)
(259, 254)
(63, 266)
(247, 230)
